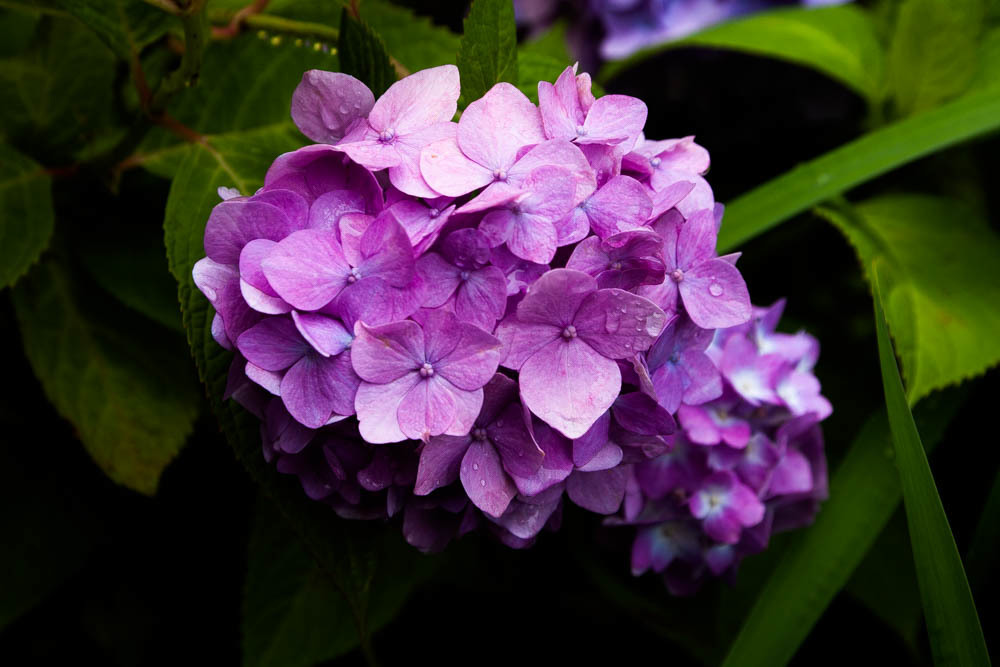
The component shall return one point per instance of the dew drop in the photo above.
(344, 108)
(475, 466)
(482, 482)
(612, 321)
(715, 289)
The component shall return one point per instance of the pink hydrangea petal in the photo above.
(607, 457)
(307, 269)
(406, 175)
(386, 252)
(696, 239)
(533, 238)
(309, 391)
(473, 358)
(618, 324)
(621, 204)
(371, 153)
(440, 279)
(569, 385)
(468, 405)
(326, 335)
(793, 474)
(559, 153)
(273, 344)
(484, 479)
(555, 297)
(715, 295)
(387, 352)
(427, 409)
(377, 405)
(263, 302)
(350, 228)
(555, 119)
(588, 256)
(669, 197)
(234, 223)
(325, 104)
(326, 211)
(447, 170)
(521, 340)
(590, 443)
(495, 127)
(518, 450)
(482, 297)
(573, 227)
(418, 100)
(613, 119)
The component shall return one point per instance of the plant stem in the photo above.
(280, 24)
(195, 37)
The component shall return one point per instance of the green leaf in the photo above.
(412, 40)
(58, 95)
(857, 162)
(123, 384)
(839, 41)
(939, 257)
(534, 67)
(362, 54)
(953, 628)
(293, 615)
(932, 55)
(26, 217)
(864, 493)
(488, 53)
(127, 26)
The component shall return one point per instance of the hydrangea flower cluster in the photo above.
(468, 322)
(744, 464)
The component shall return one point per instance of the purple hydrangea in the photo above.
(467, 324)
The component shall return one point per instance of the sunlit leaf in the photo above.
(488, 53)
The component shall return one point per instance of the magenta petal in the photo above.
(473, 359)
(569, 385)
(416, 101)
(493, 128)
(327, 210)
(428, 408)
(273, 344)
(620, 205)
(371, 153)
(793, 474)
(588, 256)
(612, 119)
(386, 252)
(521, 340)
(440, 460)
(482, 298)
(325, 104)
(509, 434)
(555, 297)
(487, 485)
(440, 279)
(236, 222)
(377, 405)
(326, 335)
(406, 176)
(307, 269)
(607, 457)
(640, 414)
(533, 238)
(715, 295)
(696, 239)
(560, 154)
(308, 392)
(601, 492)
(618, 324)
(447, 170)
(385, 353)
(586, 447)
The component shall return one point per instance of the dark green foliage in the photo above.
(487, 54)
(362, 54)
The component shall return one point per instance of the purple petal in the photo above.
(640, 414)
(569, 385)
(482, 298)
(521, 340)
(715, 295)
(416, 101)
(326, 335)
(309, 390)
(273, 344)
(555, 297)
(620, 205)
(601, 492)
(618, 324)
(406, 175)
(440, 460)
(590, 443)
(484, 479)
(696, 239)
(386, 252)
(613, 119)
(377, 405)
(327, 210)
(448, 171)
(440, 279)
(325, 104)
(307, 269)
(556, 153)
(384, 353)
(236, 222)
(495, 127)
(509, 433)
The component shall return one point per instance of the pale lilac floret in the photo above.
(610, 120)
(677, 369)
(564, 341)
(421, 379)
(725, 506)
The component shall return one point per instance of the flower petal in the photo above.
(483, 477)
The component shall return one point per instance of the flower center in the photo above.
(464, 275)
(387, 135)
(354, 276)
(479, 434)
(654, 162)
(581, 130)
(677, 275)
(500, 175)
(426, 370)
(616, 266)
(434, 213)
(569, 332)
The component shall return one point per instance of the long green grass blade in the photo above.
(857, 162)
(953, 627)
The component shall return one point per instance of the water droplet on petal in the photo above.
(475, 466)
(715, 289)
(482, 482)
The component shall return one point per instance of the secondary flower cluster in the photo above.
(465, 323)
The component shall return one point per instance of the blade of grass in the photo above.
(953, 627)
(857, 162)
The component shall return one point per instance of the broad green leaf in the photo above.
(414, 41)
(127, 26)
(123, 383)
(534, 67)
(293, 615)
(841, 42)
(129, 262)
(17, 28)
(57, 96)
(940, 259)
(26, 217)
(488, 52)
(856, 162)
(362, 54)
(932, 54)
(819, 560)
(953, 628)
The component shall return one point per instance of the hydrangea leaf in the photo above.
(857, 162)
(841, 42)
(26, 217)
(414, 41)
(943, 283)
(362, 54)
(488, 52)
(933, 55)
(953, 628)
(293, 615)
(819, 560)
(132, 409)
(123, 25)
(56, 96)
(349, 553)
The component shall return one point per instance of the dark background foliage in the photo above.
(93, 570)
